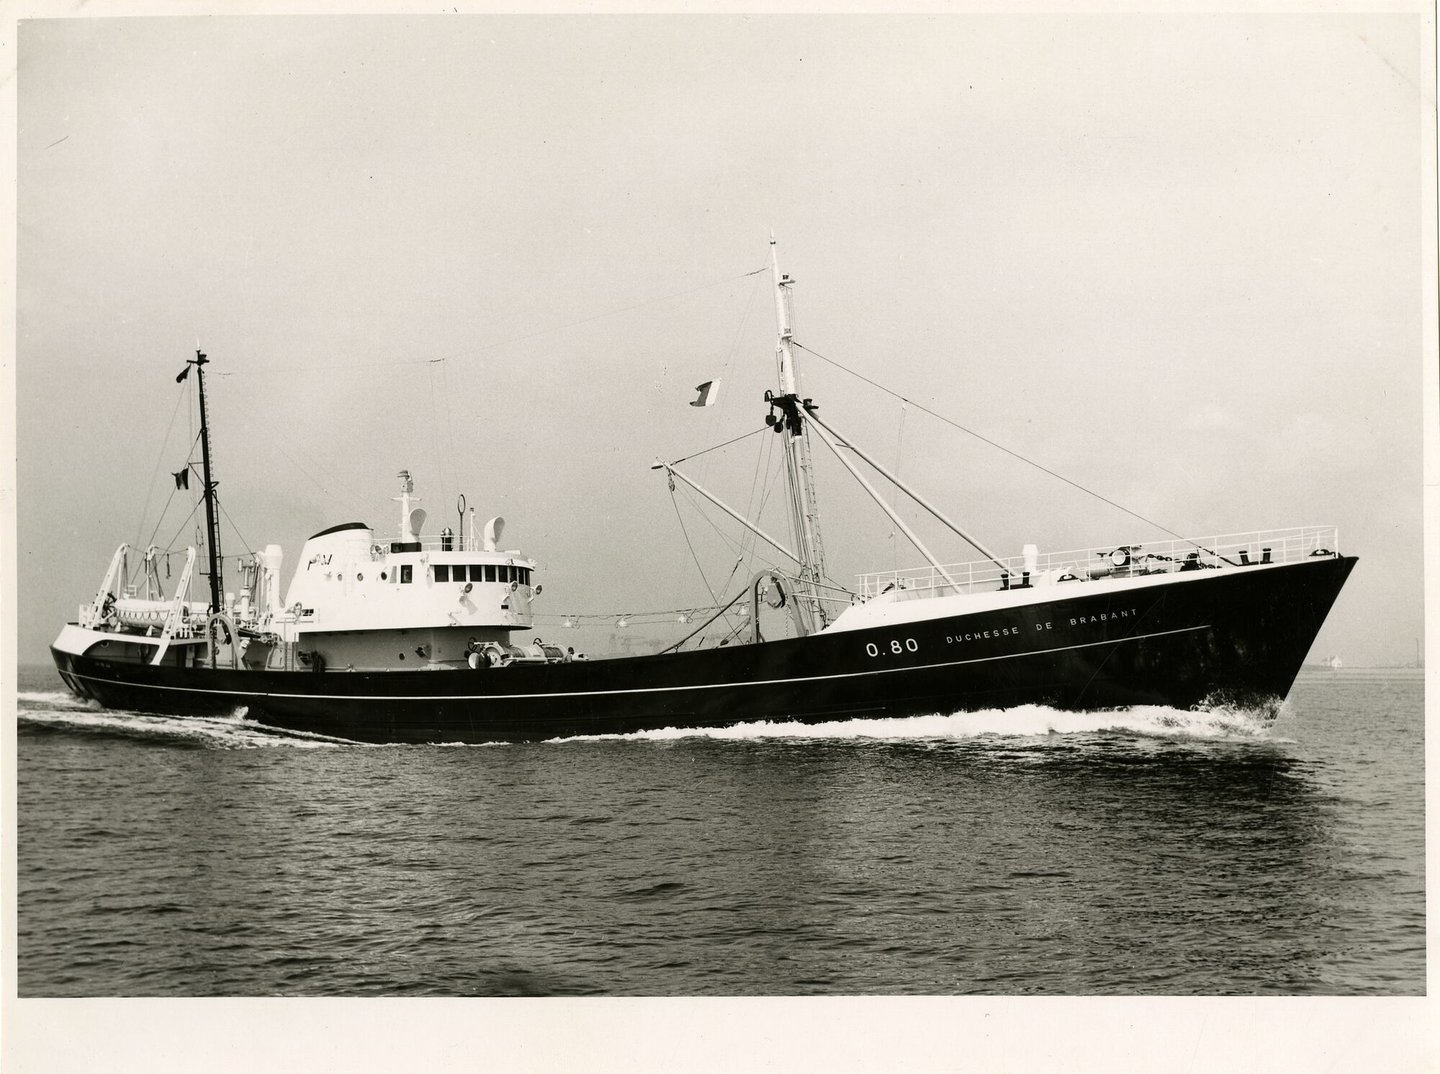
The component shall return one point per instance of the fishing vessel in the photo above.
(423, 637)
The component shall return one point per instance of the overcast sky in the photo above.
(1177, 259)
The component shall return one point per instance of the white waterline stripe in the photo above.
(638, 690)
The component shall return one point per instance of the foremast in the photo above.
(799, 470)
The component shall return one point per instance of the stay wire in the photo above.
(647, 618)
(738, 547)
(748, 539)
(717, 447)
(686, 534)
(168, 501)
(171, 543)
(248, 547)
(503, 342)
(449, 397)
(438, 430)
(739, 333)
(726, 540)
(992, 443)
(353, 499)
(159, 459)
(899, 458)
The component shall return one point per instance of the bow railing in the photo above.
(1231, 551)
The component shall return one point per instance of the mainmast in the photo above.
(799, 473)
(212, 528)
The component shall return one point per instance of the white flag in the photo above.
(709, 392)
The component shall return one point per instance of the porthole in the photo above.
(382, 576)
(402, 656)
(359, 576)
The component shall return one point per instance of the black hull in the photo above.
(1229, 637)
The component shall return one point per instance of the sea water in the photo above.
(1149, 851)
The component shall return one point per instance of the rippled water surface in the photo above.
(1023, 852)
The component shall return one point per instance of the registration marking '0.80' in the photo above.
(896, 647)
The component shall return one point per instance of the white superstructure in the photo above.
(356, 600)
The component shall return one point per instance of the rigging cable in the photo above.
(171, 543)
(248, 549)
(160, 458)
(992, 443)
(276, 440)
(500, 343)
(450, 423)
(766, 486)
(726, 540)
(899, 458)
(717, 447)
(160, 520)
(685, 533)
(650, 618)
(734, 631)
(437, 434)
(749, 538)
(735, 344)
(732, 544)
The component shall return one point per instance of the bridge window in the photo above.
(489, 572)
(405, 573)
(442, 573)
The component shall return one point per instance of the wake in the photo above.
(1023, 722)
(63, 712)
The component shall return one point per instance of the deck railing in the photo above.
(442, 544)
(1225, 551)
